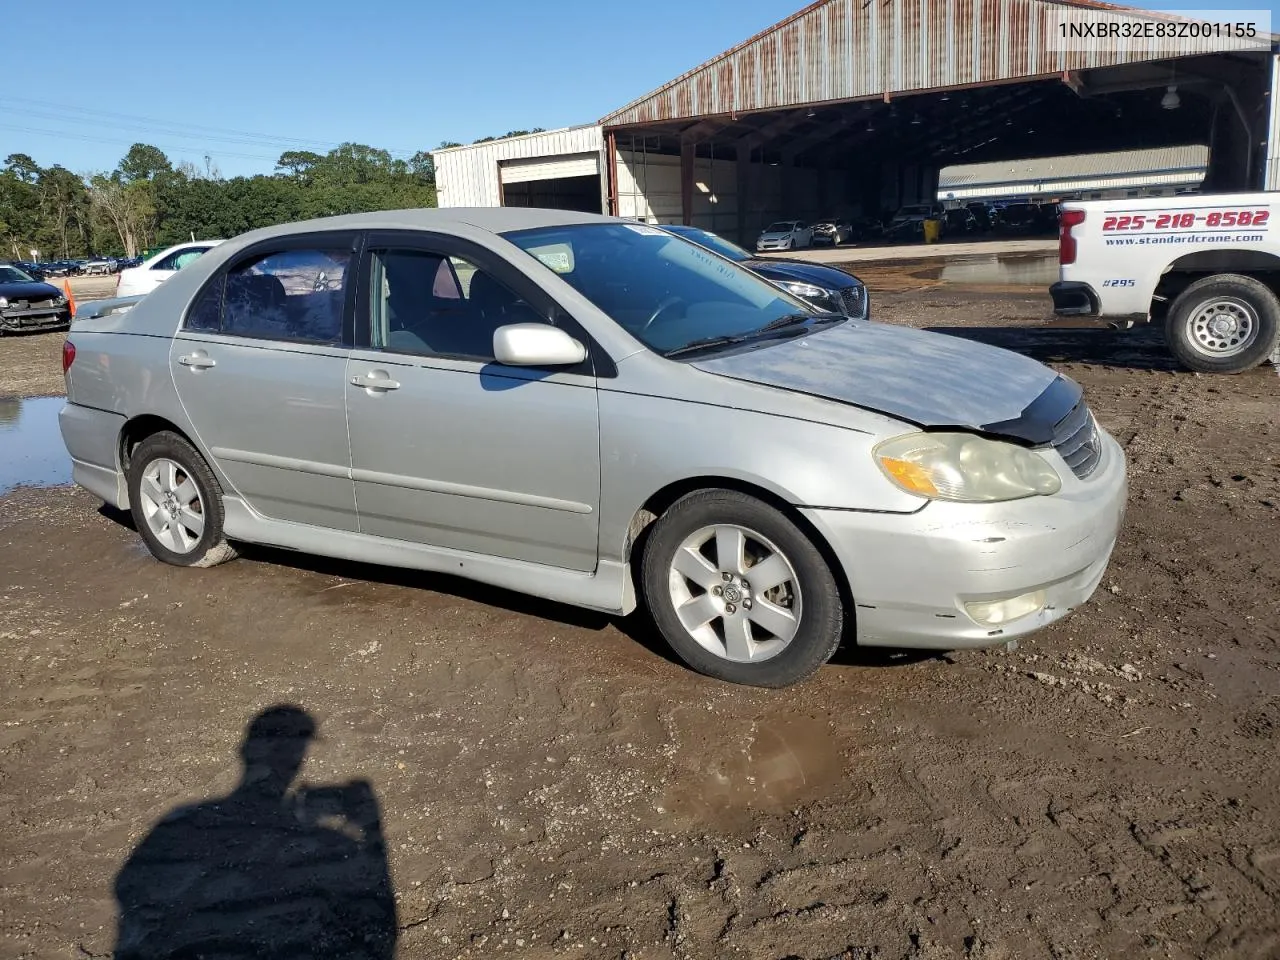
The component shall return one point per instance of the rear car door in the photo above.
(449, 448)
(259, 366)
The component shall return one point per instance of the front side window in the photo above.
(295, 295)
(666, 291)
(180, 258)
(431, 304)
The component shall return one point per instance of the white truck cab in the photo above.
(1207, 267)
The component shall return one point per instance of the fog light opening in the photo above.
(993, 613)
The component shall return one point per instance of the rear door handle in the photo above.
(197, 362)
(375, 383)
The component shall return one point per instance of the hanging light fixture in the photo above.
(1171, 100)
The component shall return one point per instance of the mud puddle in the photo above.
(1034, 271)
(31, 449)
(765, 765)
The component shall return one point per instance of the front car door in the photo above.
(449, 448)
(259, 366)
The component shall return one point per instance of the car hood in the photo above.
(828, 278)
(28, 290)
(930, 379)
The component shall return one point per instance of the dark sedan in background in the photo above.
(828, 288)
(26, 304)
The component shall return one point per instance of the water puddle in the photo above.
(31, 449)
(1035, 271)
(769, 764)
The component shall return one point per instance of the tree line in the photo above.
(147, 201)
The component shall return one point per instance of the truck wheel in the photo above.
(739, 592)
(1224, 324)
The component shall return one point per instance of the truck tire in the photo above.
(1226, 323)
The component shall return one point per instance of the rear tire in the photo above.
(1224, 324)
(176, 502)
(739, 592)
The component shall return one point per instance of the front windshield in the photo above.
(782, 226)
(714, 242)
(665, 291)
(14, 275)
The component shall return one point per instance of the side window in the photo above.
(435, 305)
(295, 295)
(180, 258)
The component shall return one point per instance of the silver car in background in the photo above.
(600, 413)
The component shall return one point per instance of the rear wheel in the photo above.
(739, 592)
(177, 503)
(1224, 324)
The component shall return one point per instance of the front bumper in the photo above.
(911, 575)
(774, 244)
(23, 321)
(1071, 298)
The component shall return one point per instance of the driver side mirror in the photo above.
(536, 345)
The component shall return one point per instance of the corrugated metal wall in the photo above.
(847, 49)
(470, 177)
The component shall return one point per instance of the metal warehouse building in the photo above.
(856, 105)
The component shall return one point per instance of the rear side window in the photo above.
(180, 258)
(295, 295)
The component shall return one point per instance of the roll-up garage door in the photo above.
(550, 168)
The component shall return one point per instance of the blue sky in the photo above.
(241, 82)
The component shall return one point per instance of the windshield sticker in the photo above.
(556, 256)
(645, 231)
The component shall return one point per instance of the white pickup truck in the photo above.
(1207, 267)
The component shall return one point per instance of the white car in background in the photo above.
(785, 235)
(142, 279)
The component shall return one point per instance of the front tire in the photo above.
(1223, 324)
(739, 592)
(177, 503)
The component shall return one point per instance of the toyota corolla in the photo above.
(601, 413)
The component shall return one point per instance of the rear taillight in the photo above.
(1066, 242)
(68, 355)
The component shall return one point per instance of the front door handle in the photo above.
(370, 382)
(197, 361)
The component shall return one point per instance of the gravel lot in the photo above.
(549, 783)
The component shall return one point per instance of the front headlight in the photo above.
(4, 301)
(60, 301)
(966, 468)
(806, 290)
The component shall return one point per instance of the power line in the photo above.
(77, 114)
(130, 140)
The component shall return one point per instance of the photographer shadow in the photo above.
(270, 870)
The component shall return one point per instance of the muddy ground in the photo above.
(546, 782)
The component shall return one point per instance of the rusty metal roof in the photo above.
(837, 50)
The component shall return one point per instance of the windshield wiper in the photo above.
(797, 319)
(786, 322)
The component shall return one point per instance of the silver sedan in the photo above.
(597, 412)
